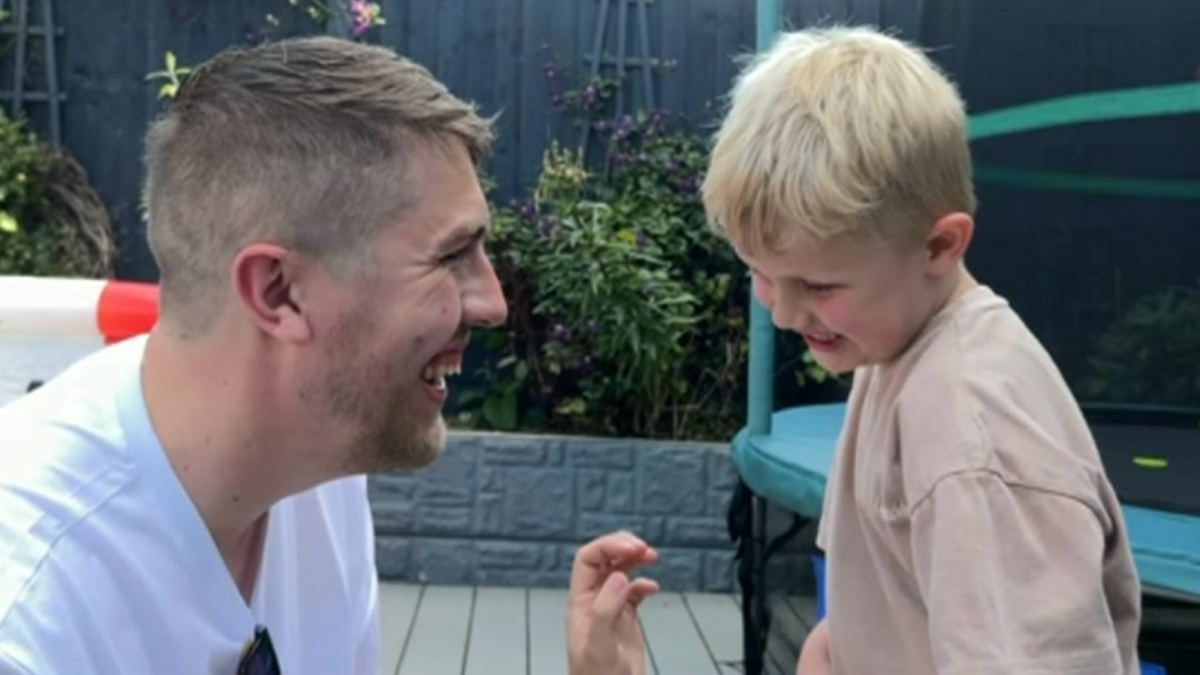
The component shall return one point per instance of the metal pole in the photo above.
(761, 367)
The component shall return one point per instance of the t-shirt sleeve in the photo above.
(1012, 580)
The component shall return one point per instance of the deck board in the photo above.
(547, 632)
(397, 608)
(674, 643)
(498, 643)
(719, 623)
(460, 630)
(438, 640)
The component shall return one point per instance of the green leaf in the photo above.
(8, 223)
(500, 411)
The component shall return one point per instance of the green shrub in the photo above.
(627, 315)
(1150, 354)
(51, 222)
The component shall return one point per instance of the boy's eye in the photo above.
(818, 288)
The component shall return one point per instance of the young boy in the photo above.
(968, 524)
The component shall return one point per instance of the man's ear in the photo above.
(947, 243)
(267, 281)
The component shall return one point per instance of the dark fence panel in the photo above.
(490, 51)
(1070, 262)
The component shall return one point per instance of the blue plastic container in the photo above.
(1153, 669)
(819, 571)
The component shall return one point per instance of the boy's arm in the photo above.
(1012, 579)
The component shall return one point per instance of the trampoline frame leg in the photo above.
(748, 529)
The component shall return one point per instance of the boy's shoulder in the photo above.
(978, 392)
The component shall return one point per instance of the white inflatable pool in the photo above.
(46, 324)
(25, 360)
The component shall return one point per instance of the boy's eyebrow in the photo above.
(795, 277)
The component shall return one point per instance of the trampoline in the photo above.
(1152, 456)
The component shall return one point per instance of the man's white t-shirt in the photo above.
(106, 567)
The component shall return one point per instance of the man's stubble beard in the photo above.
(369, 396)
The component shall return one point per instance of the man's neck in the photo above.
(214, 433)
(245, 555)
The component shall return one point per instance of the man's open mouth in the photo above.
(435, 372)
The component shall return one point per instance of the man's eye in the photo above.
(458, 255)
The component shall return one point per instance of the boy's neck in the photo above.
(956, 286)
(952, 288)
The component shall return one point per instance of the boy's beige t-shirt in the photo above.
(968, 523)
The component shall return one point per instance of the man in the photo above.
(193, 502)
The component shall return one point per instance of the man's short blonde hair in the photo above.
(838, 131)
(305, 143)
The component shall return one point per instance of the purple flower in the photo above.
(529, 210)
(689, 185)
(545, 226)
(360, 17)
(550, 71)
(590, 95)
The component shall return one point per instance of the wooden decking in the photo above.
(459, 630)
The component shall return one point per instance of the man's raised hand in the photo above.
(603, 634)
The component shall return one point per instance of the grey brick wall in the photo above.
(510, 510)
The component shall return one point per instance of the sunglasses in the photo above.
(258, 658)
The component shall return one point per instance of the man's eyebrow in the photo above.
(463, 235)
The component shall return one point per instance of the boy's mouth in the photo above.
(822, 340)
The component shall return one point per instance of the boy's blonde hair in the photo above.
(838, 131)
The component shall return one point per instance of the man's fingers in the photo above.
(596, 560)
(641, 589)
(610, 601)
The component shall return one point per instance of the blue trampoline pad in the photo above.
(790, 466)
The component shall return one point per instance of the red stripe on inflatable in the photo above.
(126, 309)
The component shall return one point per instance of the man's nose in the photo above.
(484, 304)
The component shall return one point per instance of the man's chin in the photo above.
(437, 437)
(422, 450)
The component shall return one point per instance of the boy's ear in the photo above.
(947, 243)
(268, 284)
